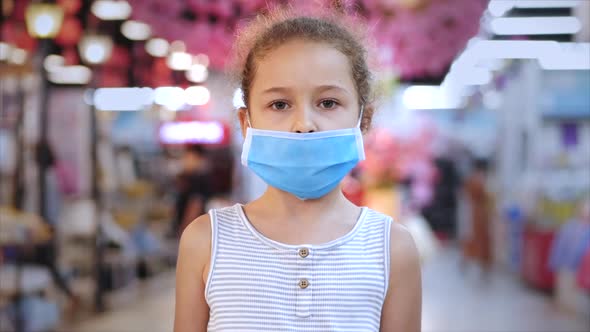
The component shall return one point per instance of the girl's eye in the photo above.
(328, 104)
(279, 105)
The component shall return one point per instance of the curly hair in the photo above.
(279, 25)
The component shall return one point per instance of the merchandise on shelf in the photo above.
(571, 243)
(583, 277)
(535, 255)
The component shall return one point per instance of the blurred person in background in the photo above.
(477, 242)
(441, 212)
(193, 185)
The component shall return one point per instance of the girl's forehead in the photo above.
(303, 63)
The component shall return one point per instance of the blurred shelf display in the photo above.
(33, 279)
(546, 187)
(535, 256)
(20, 227)
(24, 285)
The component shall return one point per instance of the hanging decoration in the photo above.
(71, 28)
(70, 32)
(418, 38)
(423, 40)
(70, 7)
(206, 27)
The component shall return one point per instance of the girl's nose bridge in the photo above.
(303, 118)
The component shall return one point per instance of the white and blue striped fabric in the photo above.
(257, 284)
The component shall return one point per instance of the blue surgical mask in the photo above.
(307, 165)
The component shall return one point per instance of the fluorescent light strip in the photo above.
(550, 54)
(179, 61)
(135, 30)
(71, 75)
(423, 97)
(573, 56)
(136, 99)
(123, 99)
(486, 50)
(197, 95)
(546, 3)
(111, 10)
(197, 73)
(535, 25)
(170, 97)
(500, 7)
(157, 47)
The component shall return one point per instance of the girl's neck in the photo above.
(284, 206)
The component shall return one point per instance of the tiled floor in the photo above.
(457, 300)
(454, 301)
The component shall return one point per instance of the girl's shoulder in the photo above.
(375, 217)
(400, 238)
(224, 214)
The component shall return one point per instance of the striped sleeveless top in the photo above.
(258, 284)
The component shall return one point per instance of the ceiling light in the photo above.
(535, 25)
(110, 10)
(157, 47)
(135, 30)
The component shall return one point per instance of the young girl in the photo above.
(301, 257)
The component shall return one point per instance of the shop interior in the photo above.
(119, 126)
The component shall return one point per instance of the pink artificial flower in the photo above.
(223, 9)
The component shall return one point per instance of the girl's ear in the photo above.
(367, 117)
(243, 116)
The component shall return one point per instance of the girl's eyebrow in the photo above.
(320, 88)
(323, 88)
(276, 89)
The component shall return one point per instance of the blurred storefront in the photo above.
(102, 102)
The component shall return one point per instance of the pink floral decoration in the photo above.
(416, 37)
(391, 159)
(424, 42)
(204, 26)
(381, 165)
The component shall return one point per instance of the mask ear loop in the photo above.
(248, 119)
(358, 124)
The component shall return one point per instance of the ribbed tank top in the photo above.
(258, 284)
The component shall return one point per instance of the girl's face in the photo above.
(303, 87)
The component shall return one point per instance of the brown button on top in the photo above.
(303, 283)
(303, 252)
